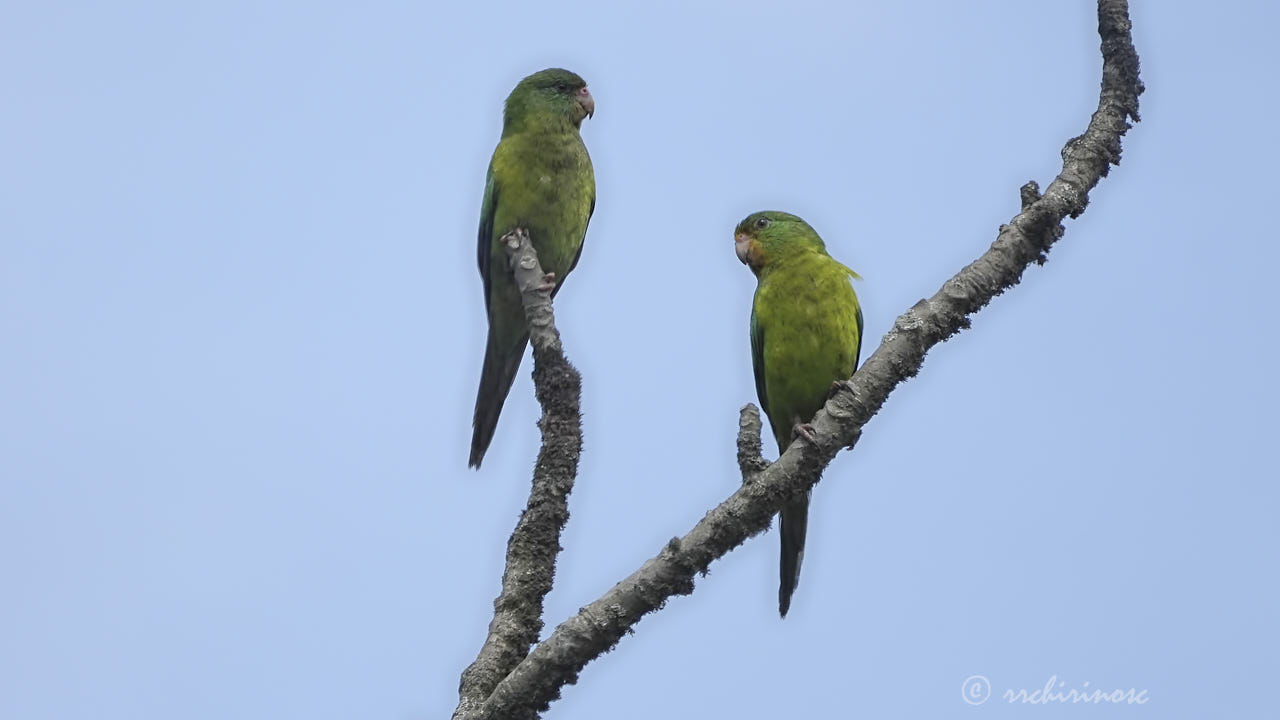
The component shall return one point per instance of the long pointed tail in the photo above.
(501, 361)
(794, 524)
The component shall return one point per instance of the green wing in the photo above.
(590, 211)
(484, 244)
(857, 352)
(757, 360)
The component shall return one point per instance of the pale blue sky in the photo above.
(242, 330)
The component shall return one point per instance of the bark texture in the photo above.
(535, 542)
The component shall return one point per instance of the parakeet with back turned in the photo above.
(540, 179)
(806, 334)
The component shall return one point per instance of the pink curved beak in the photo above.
(587, 102)
(741, 246)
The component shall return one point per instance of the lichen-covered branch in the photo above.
(750, 453)
(555, 662)
(535, 543)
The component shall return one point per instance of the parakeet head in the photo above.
(769, 237)
(548, 97)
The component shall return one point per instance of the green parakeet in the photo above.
(806, 333)
(540, 178)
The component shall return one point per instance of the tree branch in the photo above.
(750, 453)
(536, 681)
(535, 542)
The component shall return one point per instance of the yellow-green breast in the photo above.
(809, 316)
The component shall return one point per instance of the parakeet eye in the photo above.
(762, 223)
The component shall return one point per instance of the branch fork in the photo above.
(516, 682)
